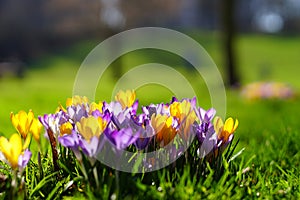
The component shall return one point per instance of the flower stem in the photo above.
(14, 185)
(96, 177)
(117, 183)
(84, 171)
(54, 150)
(40, 166)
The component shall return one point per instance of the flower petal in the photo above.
(24, 159)
(35, 129)
(235, 125)
(5, 146)
(229, 125)
(218, 124)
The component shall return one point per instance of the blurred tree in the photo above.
(117, 15)
(151, 13)
(114, 21)
(228, 37)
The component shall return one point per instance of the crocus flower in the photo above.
(24, 159)
(184, 112)
(161, 109)
(69, 140)
(77, 100)
(76, 112)
(122, 130)
(142, 125)
(91, 147)
(126, 98)
(54, 121)
(208, 143)
(121, 138)
(165, 128)
(142, 142)
(22, 122)
(94, 107)
(68, 136)
(205, 116)
(35, 129)
(120, 121)
(181, 109)
(90, 129)
(205, 126)
(113, 107)
(225, 131)
(66, 128)
(13, 149)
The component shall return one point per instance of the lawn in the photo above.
(268, 130)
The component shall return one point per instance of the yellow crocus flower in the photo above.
(66, 128)
(94, 106)
(185, 114)
(102, 123)
(181, 110)
(163, 128)
(22, 122)
(12, 149)
(35, 129)
(225, 130)
(126, 99)
(60, 108)
(176, 110)
(90, 127)
(158, 122)
(76, 100)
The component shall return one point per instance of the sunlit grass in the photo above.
(269, 58)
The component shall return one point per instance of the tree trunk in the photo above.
(228, 27)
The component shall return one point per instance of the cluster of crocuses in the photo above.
(267, 90)
(15, 150)
(82, 126)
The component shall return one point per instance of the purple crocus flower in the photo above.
(113, 107)
(193, 101)
(121, 139)
(205, 126)
(208, 144)
(138, 125)
(162, 109)
(97, 113)
(120, 121)
(69, 140)
(24, 159)
(205, 131)
(142, 142)
(204, 115)
(89, 148)
(141, 124)
(77, 112)
(53, 121)
(134, 107)
(89, 130)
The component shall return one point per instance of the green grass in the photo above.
(269, 57)
(269, 130)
